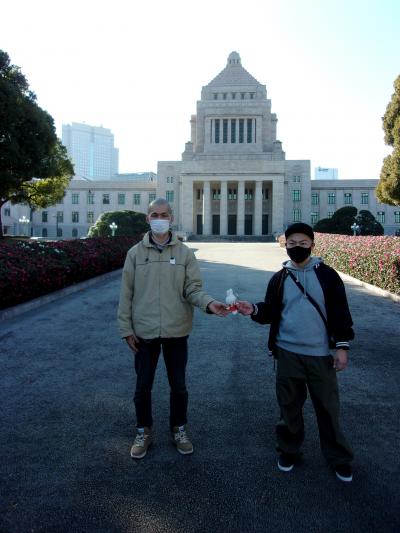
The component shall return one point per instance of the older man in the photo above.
(160, 285)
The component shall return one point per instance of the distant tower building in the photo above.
(91, 149)
(321, 173)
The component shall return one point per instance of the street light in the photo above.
(355, 227)
(24, 221)
(113, 227)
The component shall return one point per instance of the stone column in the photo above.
(277, 205)
(258, 209)
(186, 207)
(240, 208)
(223, 209)
(207, 208)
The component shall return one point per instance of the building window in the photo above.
(215, 95)
(44, 232)
(7, 212)
(330, 214)
(75, 217)
(314, 198)
(397, 217)
(242, 96)
(216, 130)
(75, 198)
(44, 216)
(121, 198)
(90, 198)
(152, 197)
(314, 218)
(225, 131)
(241, 130)
(331, 198)
(380, 217)
(61, 201)
(199, 194)
(216, 194)
(233, 130)
(232, 194)
(265, 194)
(364, 198)
(296, 195)
(106, 198)
(136, 199)
(59, 232)
(347, 198)
(296, 215)
(233, 96)
(169, 196)
(75, 233)
(252, 96)
(248, 194)
(90, 217)
(224, 96)
(249, 130)
(296, 179)
(170, 179)
(60, 216)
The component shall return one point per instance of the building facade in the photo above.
(233, 177)
(92, 150)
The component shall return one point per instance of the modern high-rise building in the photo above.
(322, 173)
(92, 150)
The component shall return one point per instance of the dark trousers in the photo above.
(295, 374)
(175, 354)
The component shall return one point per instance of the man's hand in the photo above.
(340, 360)
(245, 308)
(218, 308)
(133, 342)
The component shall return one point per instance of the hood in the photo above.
(314, 260)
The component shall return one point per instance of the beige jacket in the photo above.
(159, 290)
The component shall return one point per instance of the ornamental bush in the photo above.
(374, 260)
(30, 269)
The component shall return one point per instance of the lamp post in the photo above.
(24, 221)
(113, 226)
(355, 227)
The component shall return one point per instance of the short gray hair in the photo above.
(157, 202)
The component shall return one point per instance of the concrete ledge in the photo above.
(12, 312)
(370, 288)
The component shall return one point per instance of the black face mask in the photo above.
(298, 254)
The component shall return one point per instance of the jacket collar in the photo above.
(148, 243)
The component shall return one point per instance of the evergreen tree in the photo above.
(129, 224)
(34, 166)
(388, 188)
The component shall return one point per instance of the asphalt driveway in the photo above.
(67, 421)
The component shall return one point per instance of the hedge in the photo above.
(30, 269)
(374, 260)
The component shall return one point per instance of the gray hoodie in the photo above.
(301, 329)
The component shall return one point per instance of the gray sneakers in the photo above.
(181, 441)
(141, 444)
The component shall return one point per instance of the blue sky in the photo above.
(138, 68)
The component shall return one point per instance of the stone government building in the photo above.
(233, 178)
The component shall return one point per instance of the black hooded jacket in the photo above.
(340, 323)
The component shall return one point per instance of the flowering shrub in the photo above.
(375, 260)
(30, 269)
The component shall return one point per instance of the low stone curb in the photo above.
(371, 288)
(12, 312)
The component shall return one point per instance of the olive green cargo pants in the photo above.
(295, 374)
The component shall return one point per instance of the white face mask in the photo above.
(159, 227)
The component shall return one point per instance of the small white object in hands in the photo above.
(231, 300)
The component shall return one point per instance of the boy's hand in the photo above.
(340, 360)
(245, 308)
(218, 308)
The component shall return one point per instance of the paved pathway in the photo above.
(67, 421)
